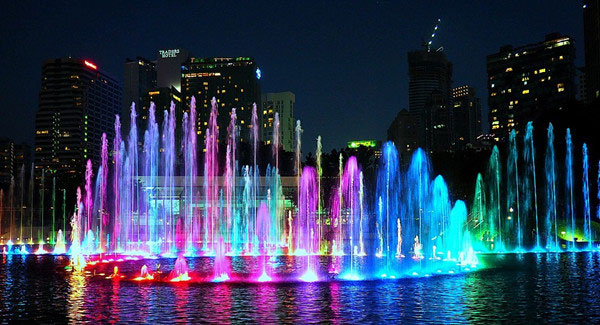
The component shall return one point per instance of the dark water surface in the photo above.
(530, 288)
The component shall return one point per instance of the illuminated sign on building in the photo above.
(169, 53)
(90, 65)
(362, 143)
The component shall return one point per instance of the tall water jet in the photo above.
(304, 239)
(210, 178)
(151, 163)
(133, 190)
(388, 243)
(494, 212)
(22, 207)
(587, 227)
(255, 174)
(276, 140)
(417, 189)
(438, 220)
(103, 194)
(337, 246)
(457, 245)
(530, 181)
(189, 148)
(88, 196)
(117, 159)
(305, 221)
(41, 210)
(169, 222)
(551, 215)
(319, 199)
(570, 204)
(512, 189)
(263, 227)
(233, 224)
(351, 190)
(31, 205)
(53, 207)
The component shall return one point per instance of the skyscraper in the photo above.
(525, 81)
(591, 31)
(140, 77)
(77, 104)
(282, 103)
(162, 99)
(168, 66)
(466, 115)
(404, 131)
(234, 82)
(12, 157)
(7, 168)
(429, 97)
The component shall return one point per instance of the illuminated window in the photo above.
(526, 91)
(509, 69)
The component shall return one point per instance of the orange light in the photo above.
(90, 64)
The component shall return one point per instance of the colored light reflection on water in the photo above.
(37, 288)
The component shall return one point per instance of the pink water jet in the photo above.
(180, 271)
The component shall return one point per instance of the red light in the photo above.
(90, 64)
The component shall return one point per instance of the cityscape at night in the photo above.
(300, 162)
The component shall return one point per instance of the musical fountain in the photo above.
(148, 199)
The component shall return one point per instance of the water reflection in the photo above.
(524, 288)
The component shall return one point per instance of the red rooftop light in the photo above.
(90, 64)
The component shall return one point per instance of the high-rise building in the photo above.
(404, 131)
(140, 77)
(77, 103)
(591, 33)
(13, 156)
(282, 103)
(429, 97)
(234, 82)
(466, 115)
(581, 88)
(162, 99)
(525, 81)
(168, 66)
(7, 157)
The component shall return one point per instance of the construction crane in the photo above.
(437, 25)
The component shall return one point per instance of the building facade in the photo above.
(526, 80)
(404, 131)
(234, 82)
(466, 115)
(168, 66)
(282, 103)
(429, 97)
(77, 104)
(140, 77)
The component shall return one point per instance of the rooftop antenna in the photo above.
(437, 25)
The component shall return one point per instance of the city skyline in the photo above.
(332, 74)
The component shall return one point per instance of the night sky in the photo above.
(345, 60)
